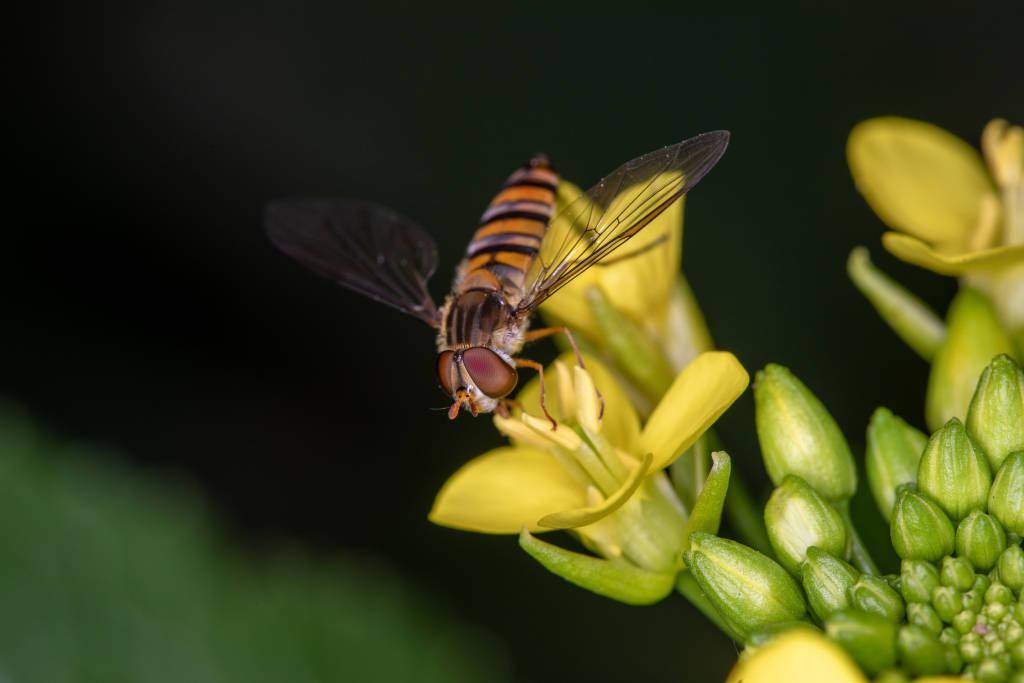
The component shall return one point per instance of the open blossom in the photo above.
(598, 474)
(952, 210)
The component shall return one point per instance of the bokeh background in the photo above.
(146, 313)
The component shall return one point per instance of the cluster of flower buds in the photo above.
(955, 504)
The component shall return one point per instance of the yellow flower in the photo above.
(952, 214)
(953, 211)
(596, 475)
(799, 656)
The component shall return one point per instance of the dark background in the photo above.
(144, 308)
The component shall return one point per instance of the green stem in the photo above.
(745, 515)
(858, 551)
(691, 590)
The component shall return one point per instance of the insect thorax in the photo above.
(480, 317)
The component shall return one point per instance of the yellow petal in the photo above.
(571, 519)
(697, 397)
(801, 656)
(638, 277)
(504, 491)
(913, 250)
(619, 424)
(918, 178)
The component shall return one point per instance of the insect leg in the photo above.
(534, 335)
(534, 365)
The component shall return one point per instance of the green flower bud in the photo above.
(873, 595)
(893, 452)
(925, 617)
(826, 580)
(1006, 497)
(964, 621)
(991, 670)
(980, 539)
(973, 600)
(948, 603)
(998, 593)
(1011, 568)
(973, 337)
(920, 530)
(953, 472)
(868, 638)
(996, 415)
(957, 573)
(749, 590)
(920, 652)
(917, 580)
(799, 436)
(798, 517)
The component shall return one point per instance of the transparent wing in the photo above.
(364, 247)
(615, 209)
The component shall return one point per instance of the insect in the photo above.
(517, 258)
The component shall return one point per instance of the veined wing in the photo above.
(618, 207)
(362, 246)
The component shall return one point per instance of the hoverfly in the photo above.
(513, 263)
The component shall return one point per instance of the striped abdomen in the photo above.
(513, 226)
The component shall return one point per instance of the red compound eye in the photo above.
(446, 371)
(491, 374)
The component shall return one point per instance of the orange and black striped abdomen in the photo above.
(513, 226)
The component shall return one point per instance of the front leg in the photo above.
(534, 365)
(534, 335)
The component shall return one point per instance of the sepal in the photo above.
(799, 436)
(749, 589)
(953, 472)
(917, 580)
(981, 540)
(798, 517)
(920, 530)
(873, 595)
(1006, 497)
(996, 416)
(826, 581)
(893, 452)
(615, 579)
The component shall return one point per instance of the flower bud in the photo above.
(917, 580)
(893, 452)
(750, 590)
(873, 595)
(920, 530)
(799, 436)
(996, 416)
(868, 638)
(925, 617)
(798, 517)
(980, 539)
(1006, 497)
(957, 573)
(1011, 568)
(826, 580)
(920, 652)
(973, 337)
(948, 603)
(953, 472)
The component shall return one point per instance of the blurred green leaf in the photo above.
(108, 575)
